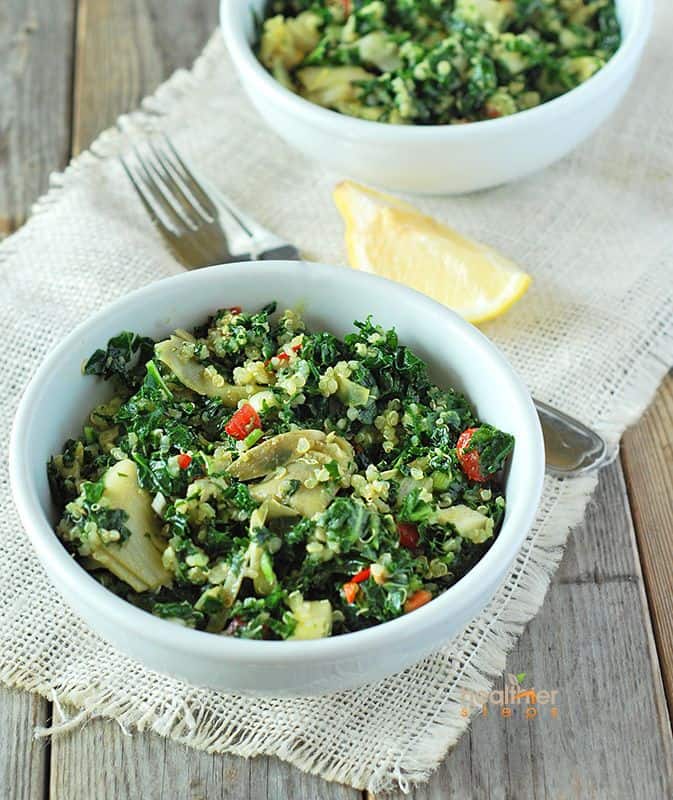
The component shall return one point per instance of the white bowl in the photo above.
(436, 159)
(58, 399)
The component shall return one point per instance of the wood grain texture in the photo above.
(125, 48)
(100, 761)
(24, 762)
(647, 455)
(35, 89)
(592, 642)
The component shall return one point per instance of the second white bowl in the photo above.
(436, 159)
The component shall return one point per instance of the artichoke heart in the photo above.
(293, 466)
(192, 373)
(468, 523)
(137, 561)
(313, 617)
(259, 566)
(273, 453)
(328, 86)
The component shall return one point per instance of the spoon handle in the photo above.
(570, 447)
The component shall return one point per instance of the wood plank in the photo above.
(592, 642)
(143, 765)
(280, 781)
(647, 455)
(99, 761)
(35, 87)
(24, 762)
(125, 48)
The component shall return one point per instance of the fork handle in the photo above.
(571, 448)
(261, 239)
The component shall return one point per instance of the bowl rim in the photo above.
(241, 52)
(120, 612)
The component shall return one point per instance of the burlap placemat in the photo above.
(593, 336)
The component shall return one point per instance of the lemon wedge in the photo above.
(391, 238)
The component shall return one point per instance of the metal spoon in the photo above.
(570, 447)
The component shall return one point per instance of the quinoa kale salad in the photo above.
(258, 479)
(435, 62)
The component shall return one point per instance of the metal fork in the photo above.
(201, 226)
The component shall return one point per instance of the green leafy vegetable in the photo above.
(430, 62)
(346, 502)
(494, 447)
(124, 358)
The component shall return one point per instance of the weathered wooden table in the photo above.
(604, 638)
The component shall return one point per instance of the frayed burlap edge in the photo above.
(484, 644)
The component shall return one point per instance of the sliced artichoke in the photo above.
(137, 561)
(259, 565)
(380, 49)
(279, 511)
(273, 453)
(286, 41)
(469, 524)
(351, 393)
(314, 617)
(192, 374)
(328, 86)
(290, 464)
(303, 501)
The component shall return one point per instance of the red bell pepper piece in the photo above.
(244, 421)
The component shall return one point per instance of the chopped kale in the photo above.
(352, 496)
(429, 62)
(494, 447)
(124, 358)
(183, 612)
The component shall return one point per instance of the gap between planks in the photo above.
(147, 59)
(592, 640)
(36, 63)
(647, 456)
